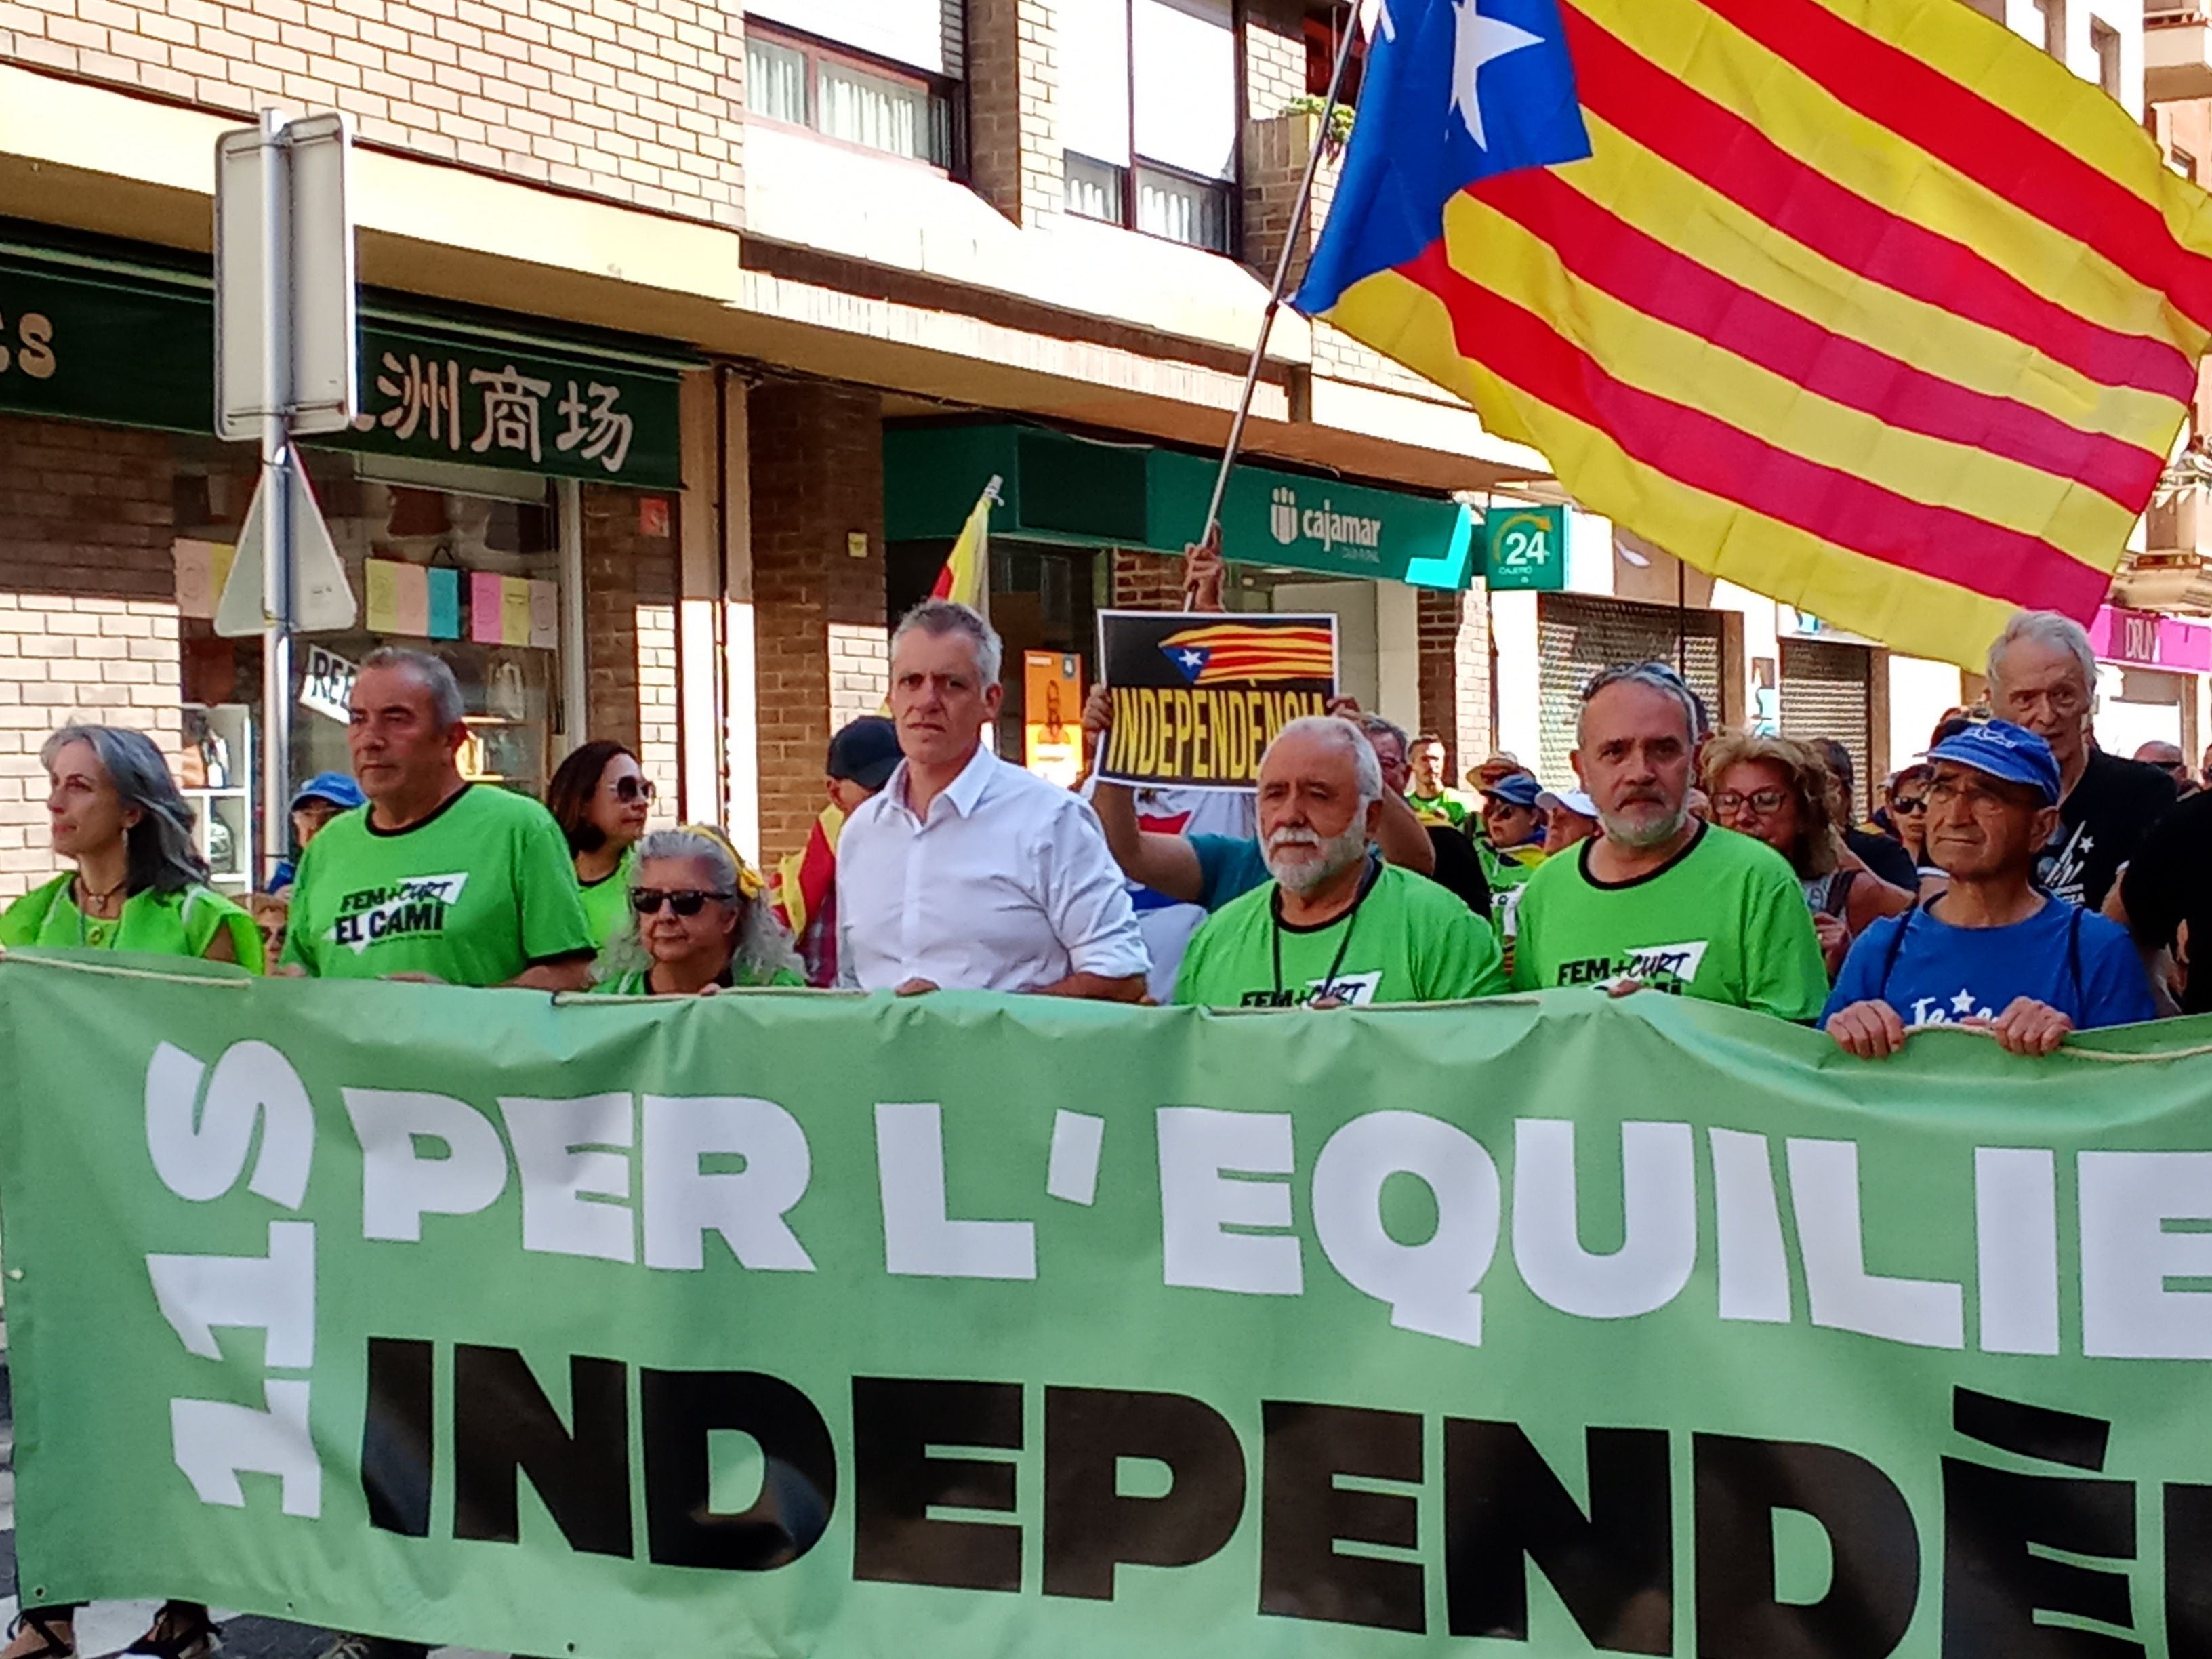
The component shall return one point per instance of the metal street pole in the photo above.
(1298, 210)
(276, 458)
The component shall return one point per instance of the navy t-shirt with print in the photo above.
(2076, 961)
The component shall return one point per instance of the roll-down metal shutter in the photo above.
(1827, 691)
(1577, 635)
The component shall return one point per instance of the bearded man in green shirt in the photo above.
(1336, 926)
(1657, 898)
(436, 877)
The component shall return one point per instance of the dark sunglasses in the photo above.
(646, 901)
(1909, 804)
(633, 789)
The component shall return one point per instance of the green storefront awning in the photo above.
(105, 332)
(1084, 492)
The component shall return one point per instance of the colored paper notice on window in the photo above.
(444, 599)
(380, 610)
(202, 569)
(515, 611)
(487, 608)
(1051, 715)
(1197, 697)
(544, 616)
(410, 600)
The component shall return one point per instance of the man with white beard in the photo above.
(1657, 898)
(1336, 926)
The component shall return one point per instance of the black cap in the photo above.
(865, 752)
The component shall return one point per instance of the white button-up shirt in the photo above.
(1007, 884)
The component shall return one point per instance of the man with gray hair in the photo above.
(435, 878)
(966, 873)
(1657, 898)
(2043, 676)
(1336, 926)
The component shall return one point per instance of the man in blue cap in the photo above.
(1993, 949)
(318, 800)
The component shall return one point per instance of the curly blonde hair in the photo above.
(1820, 810)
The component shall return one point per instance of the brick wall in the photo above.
(629, 635)
(1274, 150)
(87, 612)
(640, 100)
(1146, 582)
(1455, 673)
(1013, 91)
(817, 457)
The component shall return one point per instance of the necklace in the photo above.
(1327, 986)
(94, 930)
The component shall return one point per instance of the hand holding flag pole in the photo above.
(1371, 12)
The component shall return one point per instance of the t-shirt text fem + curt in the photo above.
(1724, 921)
(474, 893)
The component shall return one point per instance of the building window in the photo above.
(1149, 99)
(2181, 161)
(2054, 26)
(877, 106)
(2105, 40)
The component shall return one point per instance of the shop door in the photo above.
(1827, 691)
(1577, 635)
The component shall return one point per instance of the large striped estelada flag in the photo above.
(1865, 305)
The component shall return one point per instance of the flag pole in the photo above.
(1298, 210)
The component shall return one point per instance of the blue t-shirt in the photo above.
(1228, 866)
(1939, 975)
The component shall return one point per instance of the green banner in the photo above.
(787, 1323)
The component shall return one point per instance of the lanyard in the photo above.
(1351, 921)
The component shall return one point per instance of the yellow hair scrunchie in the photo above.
(750, 885)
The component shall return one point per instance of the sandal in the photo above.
(46, 1623)
(182, 1629)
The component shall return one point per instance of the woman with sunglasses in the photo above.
(1781, 791)
(701, 922)
(1908, 820)
(600, 796)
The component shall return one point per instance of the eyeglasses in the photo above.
(1911, 806)
(647, 900)
(1761, 801)
(633, 788)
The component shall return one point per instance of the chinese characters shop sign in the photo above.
(135, 347)
(480, 403)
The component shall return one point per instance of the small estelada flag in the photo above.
(1222, 652)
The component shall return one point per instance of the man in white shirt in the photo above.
(968, 873)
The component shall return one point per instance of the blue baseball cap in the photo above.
(2004, 751)
(336, 787)
(1517, 789)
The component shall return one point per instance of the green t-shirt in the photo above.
(181, 924)
(473, 895)
(1409, 940)
(632, 984)
(1726, 922)
(606, 901)
(1447, 808)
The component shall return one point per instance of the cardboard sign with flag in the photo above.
(1866, 305)
(1198, 697)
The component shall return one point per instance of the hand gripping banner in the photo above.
(778, 1323)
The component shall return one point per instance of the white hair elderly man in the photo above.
(1336, 926)
(1658, 898)
(966, 873)
(2043, 676)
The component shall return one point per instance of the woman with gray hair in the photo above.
(140, 884)
(700, 921)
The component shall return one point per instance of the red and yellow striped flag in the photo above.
(1866, 305)
(966, 577)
